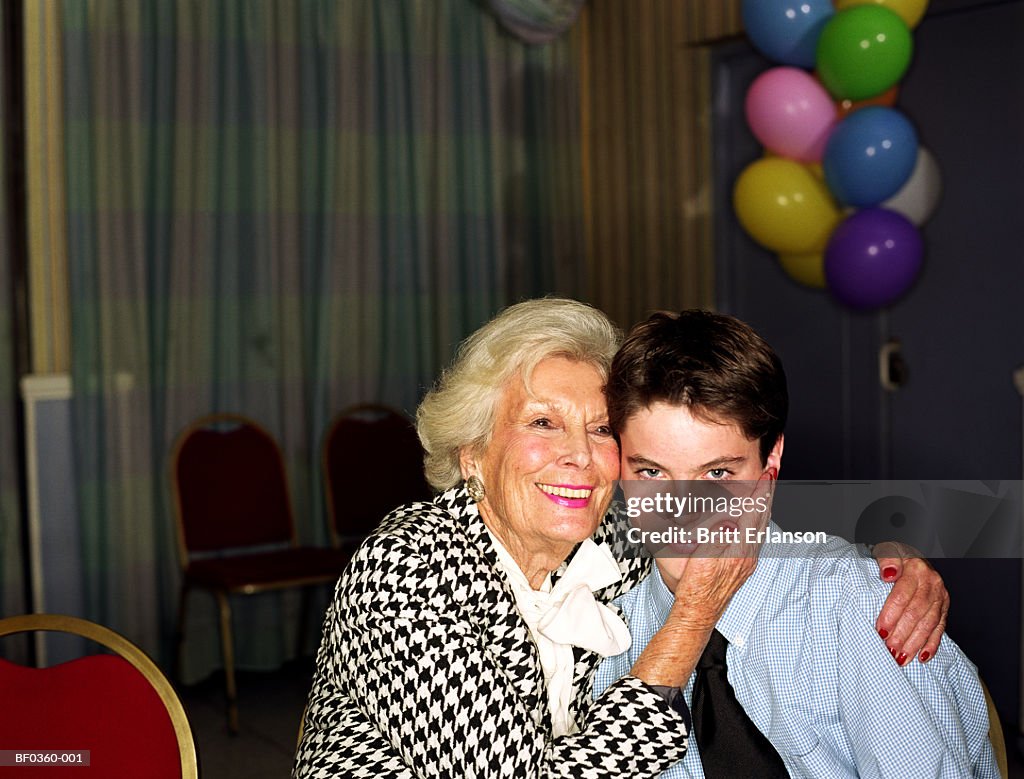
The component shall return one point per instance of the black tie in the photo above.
(730, 744)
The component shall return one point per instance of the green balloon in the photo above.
(863, 51)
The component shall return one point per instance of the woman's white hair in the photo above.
(459, 412)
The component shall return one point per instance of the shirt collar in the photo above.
(738, 619)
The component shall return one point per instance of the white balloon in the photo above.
(920, 195)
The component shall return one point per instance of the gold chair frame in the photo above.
(995, 733)
(121, 646)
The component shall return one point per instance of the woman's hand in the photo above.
(914, 615)
(706, 583)
(703, 584)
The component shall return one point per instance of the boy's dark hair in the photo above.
(713, 364)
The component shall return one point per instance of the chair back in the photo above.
(119, 707)
(995, 733)
(230, 486)
(372, 462)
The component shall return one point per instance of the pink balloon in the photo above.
(791, 113)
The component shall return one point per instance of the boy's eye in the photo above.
(649, 473)
(718, 473)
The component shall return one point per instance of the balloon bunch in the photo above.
(844, 184)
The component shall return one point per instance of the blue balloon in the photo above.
(870, 156)
(787, 31)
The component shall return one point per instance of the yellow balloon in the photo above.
(806, 269)
(910, 11)
(784, 206)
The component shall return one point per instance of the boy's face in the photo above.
(667, 443)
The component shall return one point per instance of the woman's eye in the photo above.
(603, 430)
(541, 422)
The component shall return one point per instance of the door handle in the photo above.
(892, 367)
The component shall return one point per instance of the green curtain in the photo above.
(12, 585)
(283, 208)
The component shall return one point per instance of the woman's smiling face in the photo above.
(550, 467)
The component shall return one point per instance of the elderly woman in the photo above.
(464, 635)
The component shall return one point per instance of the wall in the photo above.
(961, 327)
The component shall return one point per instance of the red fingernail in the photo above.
(883, 633)
(925, 655)
(892, 651)
(901, 659)
(889, 572)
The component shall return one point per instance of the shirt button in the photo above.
(738, 641)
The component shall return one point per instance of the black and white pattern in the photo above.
(426, 668)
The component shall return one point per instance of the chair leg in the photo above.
(227, 646)
(179, 636)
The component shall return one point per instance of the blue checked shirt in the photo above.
(811, 672)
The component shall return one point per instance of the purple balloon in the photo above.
(873, 257)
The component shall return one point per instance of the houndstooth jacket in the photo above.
(426, 668)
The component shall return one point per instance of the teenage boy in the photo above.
(801, 685)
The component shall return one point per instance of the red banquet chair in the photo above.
(236, 533)
(120, 708)
(372, 462)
